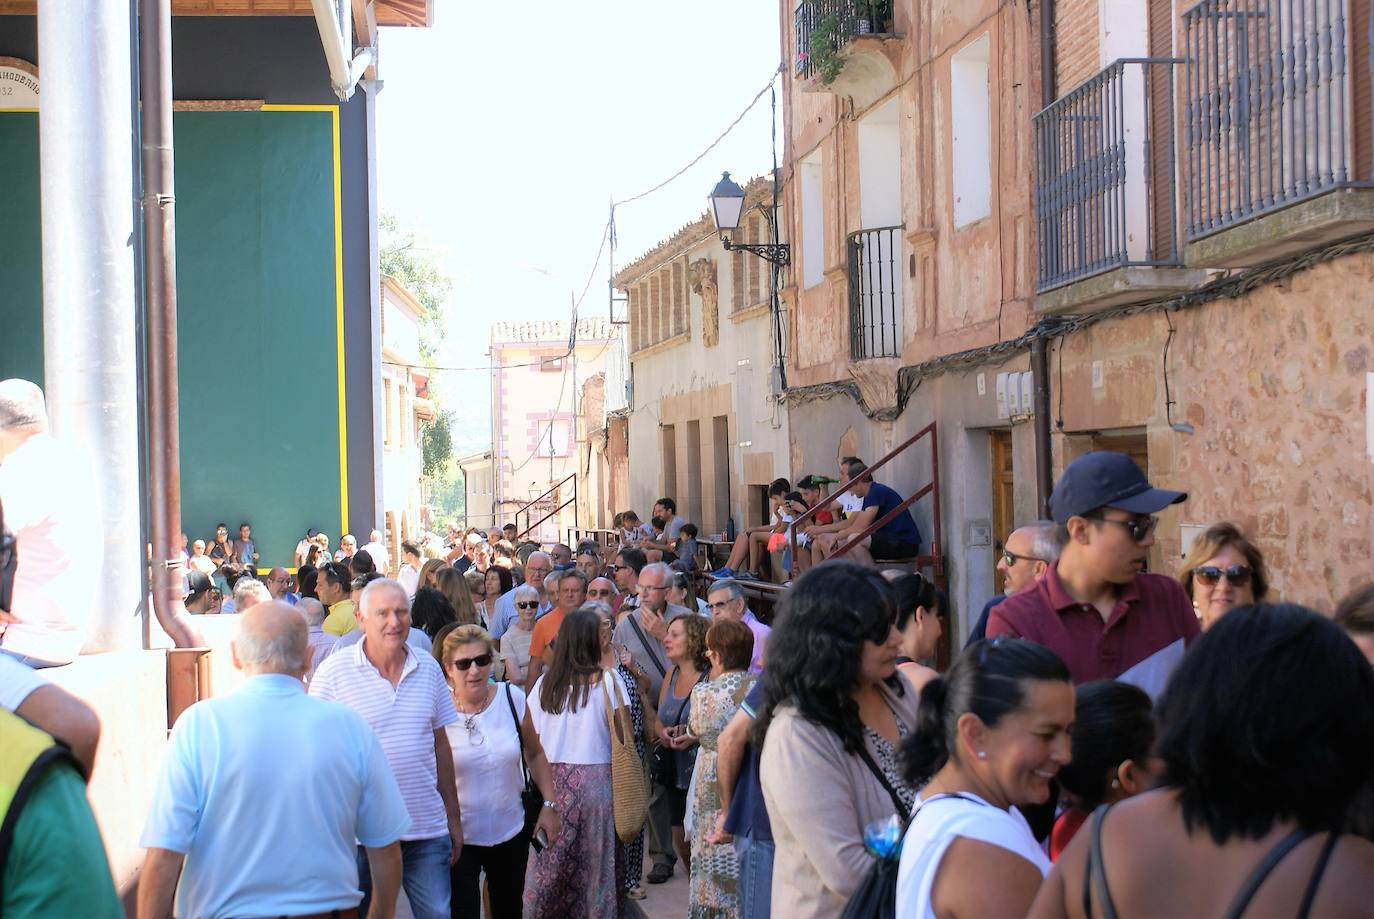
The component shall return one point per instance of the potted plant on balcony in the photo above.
(874, 15)
(824, 49)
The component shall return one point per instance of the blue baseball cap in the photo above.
(1106, 479)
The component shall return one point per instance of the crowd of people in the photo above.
(504, 729)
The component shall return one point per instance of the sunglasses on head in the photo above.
(1236, 575)
(528, 604)
(464, 663)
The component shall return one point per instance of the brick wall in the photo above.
(1076, 46)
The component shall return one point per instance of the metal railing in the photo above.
(841, 19)
(1269, 106)
(1104, 191)
(552, 496)
(875, 293)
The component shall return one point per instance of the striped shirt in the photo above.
(404, 717)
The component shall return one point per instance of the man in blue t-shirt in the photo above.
(898, 538)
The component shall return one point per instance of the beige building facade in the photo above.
(406, 409)
(705, 425)
(538, 371)
(1198, 290)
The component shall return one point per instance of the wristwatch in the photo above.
(551, 806)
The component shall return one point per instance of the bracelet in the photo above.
(551, 806)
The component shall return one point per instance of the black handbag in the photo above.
(876, 895)
(531, 798)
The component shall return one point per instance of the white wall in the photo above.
(813, 221)
(880, 167)
(971, 121)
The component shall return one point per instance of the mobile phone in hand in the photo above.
(541, 840)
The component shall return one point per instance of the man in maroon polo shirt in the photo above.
(1096, 607)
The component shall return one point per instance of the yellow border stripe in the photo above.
(333, 111)
(25, 111)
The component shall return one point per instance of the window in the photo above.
(971, 141)
(755, 265)
(555, 438)
(813, 221)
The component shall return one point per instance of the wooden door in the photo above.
(1003, 503)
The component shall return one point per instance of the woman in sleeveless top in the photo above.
(1267, 735)
(685, 645)
(991, 735)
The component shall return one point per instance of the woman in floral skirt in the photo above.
(582, 872)
(714, 890)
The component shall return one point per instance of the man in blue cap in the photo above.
(1096, 607)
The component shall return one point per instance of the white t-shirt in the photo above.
(939, 821)
(16, 682)
(378, 553)
(582, 737)
(51, 506)
(489, 776)
(408, 578)
(850, 503)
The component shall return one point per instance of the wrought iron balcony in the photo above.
(1105, 191)
(875, 293)
(1276, 113)
(824, 27)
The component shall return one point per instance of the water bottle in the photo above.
(729, 529)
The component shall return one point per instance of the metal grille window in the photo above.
(1270, 105)
(875, 293)
(1099, 160)
(842, 19)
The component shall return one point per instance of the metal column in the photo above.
(89, 293)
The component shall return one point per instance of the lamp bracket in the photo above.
(778, 253)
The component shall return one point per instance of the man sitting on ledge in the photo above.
(898, 538)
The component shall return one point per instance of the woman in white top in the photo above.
(582, 872)
(515, 643)
(487, 749)
(991, 734)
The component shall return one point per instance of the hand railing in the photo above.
(935, 558)
(552, 496)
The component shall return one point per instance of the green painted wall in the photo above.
(257, 314)
(21, 270)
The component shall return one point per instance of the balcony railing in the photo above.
(1105, 192)
(832, 24)
(875, 293)
(1271, 111)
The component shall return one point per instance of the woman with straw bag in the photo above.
(574, 704)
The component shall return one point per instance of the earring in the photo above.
(1116, 783)
(982, 754)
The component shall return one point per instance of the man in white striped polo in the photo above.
(403, 696)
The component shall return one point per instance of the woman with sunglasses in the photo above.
(1223, 570)
(681, 593)
(582, 872)
(515, 643)
(494, 729)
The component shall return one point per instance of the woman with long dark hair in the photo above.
(1266, 732)
(993, 734)
(834, 716)
(582, 872)
(922, 609)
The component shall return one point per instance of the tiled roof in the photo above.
(549, 330)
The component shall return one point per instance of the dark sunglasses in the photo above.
(1138, 528)
(464, 663)
(1236, 575)
(528, 604)
(1011, 558)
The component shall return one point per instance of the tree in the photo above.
(415, 267)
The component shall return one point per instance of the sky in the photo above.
(505, 131)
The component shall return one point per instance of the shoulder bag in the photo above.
(876, 895)
(531, 798)
(629, 784)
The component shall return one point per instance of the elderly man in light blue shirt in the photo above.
(725, 600)
(537, 567)
(266, 792)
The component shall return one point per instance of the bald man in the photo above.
(255, 778)
(1026, 556)
(279, 585)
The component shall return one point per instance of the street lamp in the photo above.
(727, 206)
